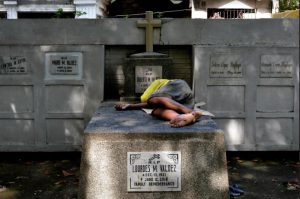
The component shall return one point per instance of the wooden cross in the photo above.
(149, 23)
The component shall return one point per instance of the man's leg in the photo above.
(168, 109)
(165, 114)
(176, 119)
(167, 103)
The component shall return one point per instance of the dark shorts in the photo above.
(178, 90)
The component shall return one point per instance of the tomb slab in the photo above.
(111, 137)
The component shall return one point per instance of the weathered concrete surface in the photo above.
(111, 134)
(263, 32)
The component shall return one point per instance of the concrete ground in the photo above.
(262, 175)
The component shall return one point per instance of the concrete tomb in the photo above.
(130, 154)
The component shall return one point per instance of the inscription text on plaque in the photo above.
(276, 66)
(144, 75)
(225, 65)
(62, 65)
(153, 171)
(13, 65)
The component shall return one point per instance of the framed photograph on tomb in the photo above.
(145, 75)
(63, 65)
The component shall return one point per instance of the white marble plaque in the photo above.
(144, 75)
(225, 65)
(61, 65)
(276, 66)
(153, 171)
(13, 65)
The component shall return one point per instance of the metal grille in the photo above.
(39, 2)
(231, 13)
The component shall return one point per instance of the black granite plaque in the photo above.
(145, 75)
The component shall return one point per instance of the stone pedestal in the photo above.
(111, 135)
(151, 60)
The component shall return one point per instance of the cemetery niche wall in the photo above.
(46, 95)
(247, 72)
(261, 91)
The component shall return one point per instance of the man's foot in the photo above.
(185, 119)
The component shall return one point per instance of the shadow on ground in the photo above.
(262, 175)
(39, 175)
(265, 175)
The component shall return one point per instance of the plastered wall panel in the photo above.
(16, 131)
(274, 131)
(65, 99)
(64, 131)
(234, 130)
(275, 99)
(226, 98)
(263, 93)
(16, 99)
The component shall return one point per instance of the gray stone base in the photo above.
(111, 134)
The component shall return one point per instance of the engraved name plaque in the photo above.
(13, 65)
(62, 65)
(144, 75)
(153, 171)
(276, 66)
(225, 65)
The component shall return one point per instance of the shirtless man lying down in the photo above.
(171, 100)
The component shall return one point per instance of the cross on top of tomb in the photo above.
(149, 23)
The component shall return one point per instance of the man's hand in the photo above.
(122, 107)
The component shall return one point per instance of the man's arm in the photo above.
(123, 107)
